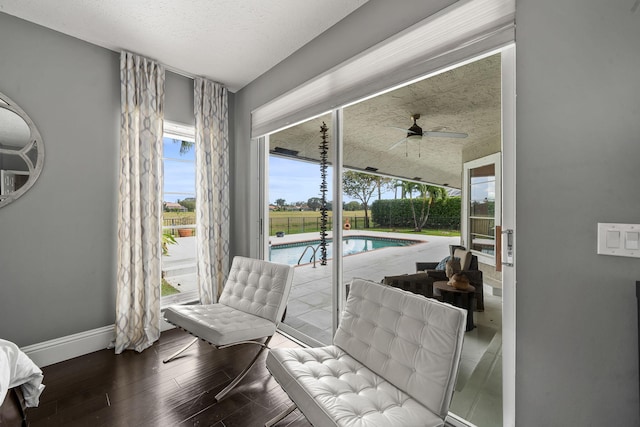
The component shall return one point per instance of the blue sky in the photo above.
(291, 180)
(296, 181)
(179, 176)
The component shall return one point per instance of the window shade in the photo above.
(179, 131)
(459, 32)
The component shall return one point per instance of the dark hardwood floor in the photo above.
(137, 389)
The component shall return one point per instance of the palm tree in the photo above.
(406, 189)
(399, 184)
(435, 193)
(185, 146)
(427, 194)
(383, 184)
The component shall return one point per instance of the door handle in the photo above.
(507, 248)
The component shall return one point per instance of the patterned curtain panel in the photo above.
(212, 188)
(139, 206)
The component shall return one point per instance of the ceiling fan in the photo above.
(416, 132)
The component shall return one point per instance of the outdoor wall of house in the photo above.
(58, 241)
(578, 145)
(578, 150)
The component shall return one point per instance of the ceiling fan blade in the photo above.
(445, 134)
(396, 144)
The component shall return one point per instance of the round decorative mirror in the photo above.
(21, 151)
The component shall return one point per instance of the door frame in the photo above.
(509, 224)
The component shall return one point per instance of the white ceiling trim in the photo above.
(466, 29)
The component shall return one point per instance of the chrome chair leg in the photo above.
(273, 421)
(177, 353)
(236, 380)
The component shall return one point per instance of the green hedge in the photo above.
(444, 213)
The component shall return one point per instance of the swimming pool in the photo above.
(289, 253)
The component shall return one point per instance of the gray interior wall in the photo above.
(372, 23)
(58, 241)
(578, 150)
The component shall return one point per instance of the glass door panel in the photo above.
(179, 255)
(300, 193)
(403, 160)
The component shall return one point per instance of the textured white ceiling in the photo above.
(466, 99)
(229, 41)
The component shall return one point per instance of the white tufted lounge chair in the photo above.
(249, 310)
(394, 362)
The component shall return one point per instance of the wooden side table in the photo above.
(462, 298)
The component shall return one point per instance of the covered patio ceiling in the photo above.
(466, 99)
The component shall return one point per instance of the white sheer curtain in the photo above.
(137, 324)
(212, 187)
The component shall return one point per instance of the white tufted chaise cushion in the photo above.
(394, 362)
(258, 287)
(219, 324)
(251, 304)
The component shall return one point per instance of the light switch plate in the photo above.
(618, 239)
(632, 240)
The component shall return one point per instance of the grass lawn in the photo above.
(174, 215)
(293, 222)
(167, 289)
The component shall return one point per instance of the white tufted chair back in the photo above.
(413, 342)
(258, 287)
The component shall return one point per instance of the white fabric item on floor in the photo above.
(17, 369)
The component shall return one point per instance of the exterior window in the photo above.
(482, 206)
(179, 218)
(482, 209)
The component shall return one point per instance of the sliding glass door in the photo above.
(300, 223)
(392, 180)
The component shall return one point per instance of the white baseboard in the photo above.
(65, 348)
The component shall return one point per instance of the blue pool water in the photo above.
(290, 253)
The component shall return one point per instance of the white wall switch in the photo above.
(613, 239)
(619, 239)
(632, 240)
